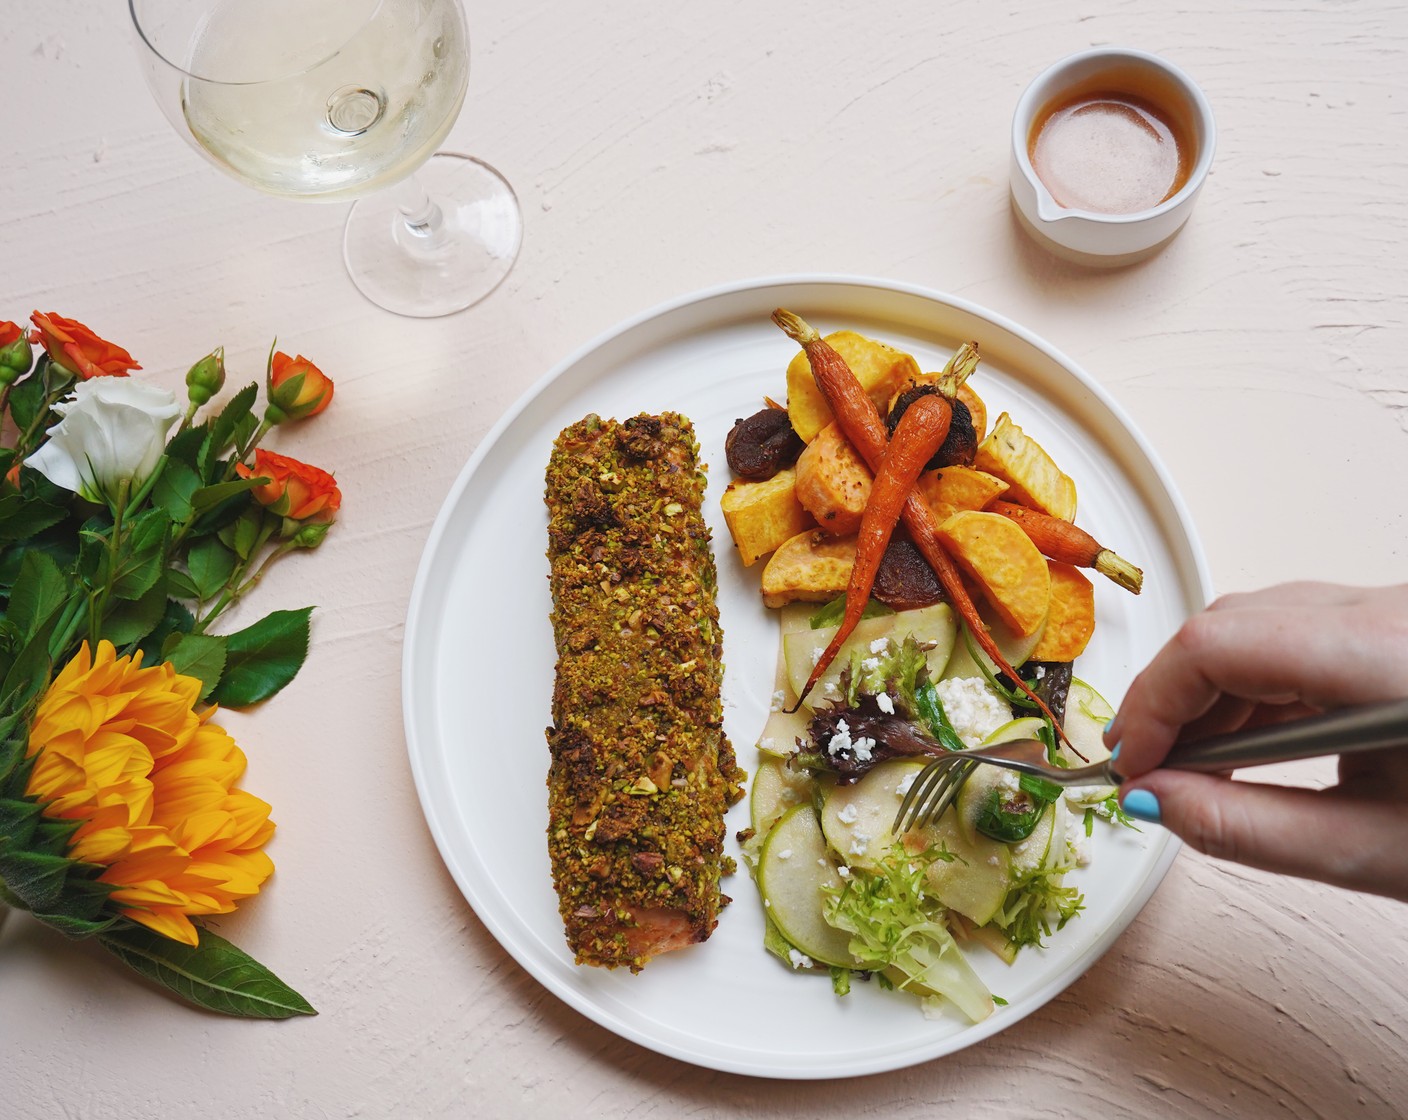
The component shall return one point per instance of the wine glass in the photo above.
(335, 99)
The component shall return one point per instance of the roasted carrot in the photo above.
(920, 433)
(861, 422)
(1061, 540)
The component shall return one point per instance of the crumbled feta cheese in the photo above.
(1040, 671)
(779, 701)
(786, 853)
(880, 645)
(885, 704)
(843, 871)
(972, 707)
(993, 861)
(767, 904)
(907, 783)
(799, 959)
(766, 744)
(860, 843)
(1079, 843)
(817, 651)
(863, 748)
(848, 815)
(841, 740)
(870, 664)
(831, 692)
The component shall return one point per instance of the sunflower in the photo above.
(124, 751)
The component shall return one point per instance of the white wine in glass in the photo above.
(338, 99)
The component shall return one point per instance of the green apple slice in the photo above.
(794, 867)
(776, 789)
(801, 649)
(856, 819)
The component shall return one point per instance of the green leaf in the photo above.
(28, 674)
(243, 534)
(142, 555)
(208, 497)
(26, 399)
(175, 619)
(198, 655)
(36, 878)
(131, 620)
(215, 974)
(224, 426)
(173, 490)
(74, 927)
(18, 816)
(185, 446)
(261, 659)
(39, 591)
(210, 564)
(26, 519)
(179, 585)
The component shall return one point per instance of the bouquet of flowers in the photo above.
(128, 527)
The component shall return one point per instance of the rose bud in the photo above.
(206, 377)
(296, 389)
(75, 349)
(16, 353)
(295, 491)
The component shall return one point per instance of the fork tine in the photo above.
(942, 797)
(932, 774)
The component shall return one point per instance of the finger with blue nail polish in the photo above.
(1142, 806)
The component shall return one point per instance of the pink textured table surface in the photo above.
(658, 149)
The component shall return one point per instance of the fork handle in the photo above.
(1371, 727)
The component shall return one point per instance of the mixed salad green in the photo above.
(841, 893)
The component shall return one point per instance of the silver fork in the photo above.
(1345, 731)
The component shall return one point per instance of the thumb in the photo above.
(1314, 834)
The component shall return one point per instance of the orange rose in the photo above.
(297, 388)
(295, 490)
(75, 348)
(9, 332)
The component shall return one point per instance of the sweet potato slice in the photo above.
(762, 516)
(881, 369)
(954, 489)
(812, 567)
(833, 482)
(1033, 476)
(1071, 620)
(1011, 574)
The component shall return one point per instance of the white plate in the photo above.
(478, 667)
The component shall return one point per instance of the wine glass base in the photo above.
(444, 266)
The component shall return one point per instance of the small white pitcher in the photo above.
(1087, 236)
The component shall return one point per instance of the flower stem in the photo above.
(236, 591)
(191, 410)
(98, 601)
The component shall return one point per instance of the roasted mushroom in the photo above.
(762, 444)
(960, 449)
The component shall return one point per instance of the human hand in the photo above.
(1259, 658)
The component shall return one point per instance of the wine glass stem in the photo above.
(421, 218)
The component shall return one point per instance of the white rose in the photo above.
(114, 429)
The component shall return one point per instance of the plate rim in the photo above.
(420, 589)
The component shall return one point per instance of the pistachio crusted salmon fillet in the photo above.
(641, 772)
